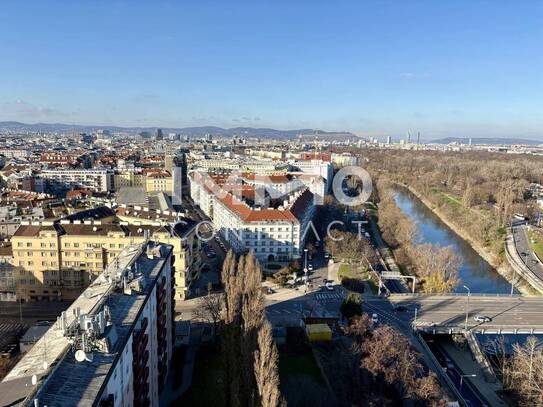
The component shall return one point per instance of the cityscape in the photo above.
(198, 209)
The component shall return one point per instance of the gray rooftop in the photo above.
(66, 382)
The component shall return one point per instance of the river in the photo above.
(475, 272)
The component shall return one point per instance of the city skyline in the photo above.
(465, 69)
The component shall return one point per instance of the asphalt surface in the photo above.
(31, 312)
(524, 249)
(507, 313)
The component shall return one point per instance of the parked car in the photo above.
(482, 318)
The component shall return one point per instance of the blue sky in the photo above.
(459, 68)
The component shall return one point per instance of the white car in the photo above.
(310, 267)
(482, 318)
(375, 319)
(329, 286)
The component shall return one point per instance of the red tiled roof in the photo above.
(248, 214)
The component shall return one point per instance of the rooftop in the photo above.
(63, 381)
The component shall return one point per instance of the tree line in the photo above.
(476, 191)
(249, 354)
(388, 368)
(435, 266)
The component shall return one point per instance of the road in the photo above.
(441, 313)
(524, 249)
(31, 312)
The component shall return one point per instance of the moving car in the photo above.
(400, 308)
(329, 286)
(375, 319)
(482, 318)
(310, 267)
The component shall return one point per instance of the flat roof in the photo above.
(66, 382)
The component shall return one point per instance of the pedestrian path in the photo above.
(330, 296)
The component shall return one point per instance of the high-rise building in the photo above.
(112, 347)
(159, 135)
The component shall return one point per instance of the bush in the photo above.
(351, 306)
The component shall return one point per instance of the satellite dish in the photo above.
(80, 356)
(34, 380)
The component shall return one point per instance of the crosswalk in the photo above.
(330, 296)
(8, 332)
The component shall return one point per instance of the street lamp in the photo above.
(305, 267)
(467, 308)
(462, 380)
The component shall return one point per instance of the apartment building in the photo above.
(7, 273)
(315, 167)
(15, 153)
(99, 180)
(275, 186)
(12, 215)
(273, 233)
(112, 347)
(57, 260)
(150, 180)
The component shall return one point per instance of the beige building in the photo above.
(57, 260)
(151, 180)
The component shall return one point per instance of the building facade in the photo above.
(114, 344)
(57, 259)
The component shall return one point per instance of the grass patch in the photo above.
(451, 200)
(351, 278)
(299, 363)
(536, 242)
(206, 388)
(345, 271)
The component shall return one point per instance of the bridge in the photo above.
(447, 313)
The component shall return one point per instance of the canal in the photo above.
(475, 272)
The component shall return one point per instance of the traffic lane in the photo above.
(516, 313)
(531, 261)
(32, 311)
(453, 371)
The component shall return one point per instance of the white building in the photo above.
(93, 179)
(274, 234)
(14, 153)
(315, 167)
(112, 347)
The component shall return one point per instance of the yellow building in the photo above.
(159, 182)
(128, 179)
(151, 180)
(57, 260)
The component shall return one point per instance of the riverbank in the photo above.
(501, 267)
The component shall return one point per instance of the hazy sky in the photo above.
(461, 68)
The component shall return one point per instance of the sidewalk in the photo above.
(464, 361)
(171, 394)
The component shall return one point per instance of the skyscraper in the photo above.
(159, 135)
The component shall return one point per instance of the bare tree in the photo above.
(210, 309)
(525, 373)
(438, 266)
(266, 361)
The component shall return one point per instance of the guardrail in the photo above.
(480, 357)
(471, 295)
(443, 376)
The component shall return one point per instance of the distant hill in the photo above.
(13, 126)
(489, 140)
